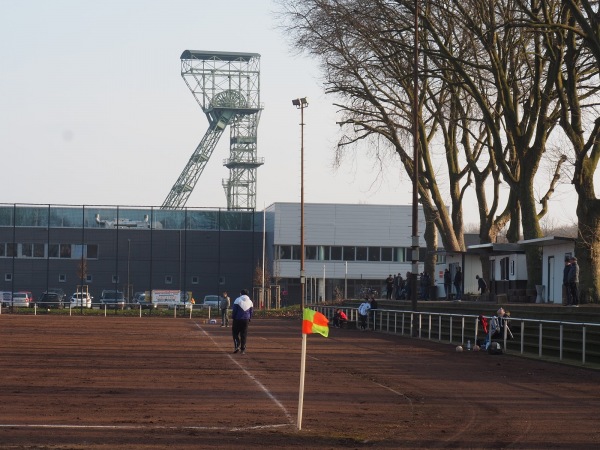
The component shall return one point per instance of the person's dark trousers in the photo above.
(574, 293)
(362, 322)
(567, 290)
(239, 331)
(224, 318)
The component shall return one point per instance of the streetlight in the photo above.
(128, 277)
(301, 103)
(415, 177)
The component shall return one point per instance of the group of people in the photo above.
(398, 287)
(457, 282)
(571, 281)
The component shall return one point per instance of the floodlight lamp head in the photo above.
(300, 102)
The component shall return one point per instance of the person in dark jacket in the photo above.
(574, 282)
(481, 284)
(567, 301)
(241, 315)
(458, 283)
(447, 283)
(389, 286)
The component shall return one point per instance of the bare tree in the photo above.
(487, 93)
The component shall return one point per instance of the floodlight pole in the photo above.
(301, 103)
(415, 177)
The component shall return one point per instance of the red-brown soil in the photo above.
(153, 383)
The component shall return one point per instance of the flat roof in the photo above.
(225, 56)
(547, 241)
(496, 249)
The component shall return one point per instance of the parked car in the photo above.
(79, 299)
(22, 298)
(112, 299)
(61, 294)
(51, 300)
(212, 300)
(139, 298)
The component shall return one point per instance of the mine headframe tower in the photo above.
(226, 85)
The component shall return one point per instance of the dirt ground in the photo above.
(152, 383)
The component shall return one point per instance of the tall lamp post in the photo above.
(301, 103)
(415, 177)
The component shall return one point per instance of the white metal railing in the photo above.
(422, 324)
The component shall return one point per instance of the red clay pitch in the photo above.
(152, 383)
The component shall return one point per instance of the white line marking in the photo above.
(252, 377)
(142, 427)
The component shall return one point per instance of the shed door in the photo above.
(551, 276)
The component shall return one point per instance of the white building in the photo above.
(554, 251)
(347, 247)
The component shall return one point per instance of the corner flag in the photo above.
(314, 322)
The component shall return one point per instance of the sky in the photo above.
(94, 110)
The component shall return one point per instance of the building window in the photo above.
(89, 278)
(115, 279)
(65, 250)
(311, 252)
(11, 250)
(2, 249)
(361, 253)
(195, 280)
(323, 252)
(285, 252)
(52, 250)
(27, 250)
(168, 279)
(504, 268)
(349, 254)
(39, 251)
(387, 254)
(92, 251)
(336, 253)
(374, 254)
(296, 252)
(400, 254)
(8, 277)
(62, 278)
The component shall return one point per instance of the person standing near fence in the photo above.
(225, 303)
(389, 286)
(458, 283)
(447, 283)
(241, 315)
(574, 282)
(566, 289)
(363, 314)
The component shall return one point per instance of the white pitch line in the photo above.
(253, 378)
(141, 427)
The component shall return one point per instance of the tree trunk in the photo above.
(531, 230)
(586, 249)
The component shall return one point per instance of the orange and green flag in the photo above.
(314, 322)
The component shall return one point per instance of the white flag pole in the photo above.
(302, 370)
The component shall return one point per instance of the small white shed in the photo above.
(554, 251)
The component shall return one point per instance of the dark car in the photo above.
(51, 300)
(112, 299)
(60, 292)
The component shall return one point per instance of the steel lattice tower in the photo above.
(226, 85)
